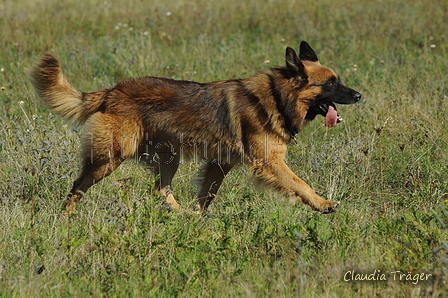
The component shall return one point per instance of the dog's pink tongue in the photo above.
(331, 118)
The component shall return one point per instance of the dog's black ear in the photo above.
(307, 53)
(293, 63)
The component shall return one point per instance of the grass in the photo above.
(387, 162)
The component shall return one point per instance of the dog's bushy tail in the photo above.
(59, 94)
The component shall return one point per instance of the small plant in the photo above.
(441, 257)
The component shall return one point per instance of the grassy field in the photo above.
(387, 162)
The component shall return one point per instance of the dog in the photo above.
(161, 122)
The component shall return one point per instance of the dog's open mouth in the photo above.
(328, 110)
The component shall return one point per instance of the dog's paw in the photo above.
(168, 201)
(329, 207)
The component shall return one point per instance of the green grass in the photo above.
(387, 162)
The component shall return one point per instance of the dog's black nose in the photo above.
(357, 96)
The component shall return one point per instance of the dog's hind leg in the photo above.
(164, 171)
(105, 147)
(211, 178)
(91, 173)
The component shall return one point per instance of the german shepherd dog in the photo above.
(162, 121)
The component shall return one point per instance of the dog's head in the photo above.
(320, 85)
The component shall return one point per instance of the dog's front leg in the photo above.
(275, 173)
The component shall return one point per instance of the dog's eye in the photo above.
(330, 83)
